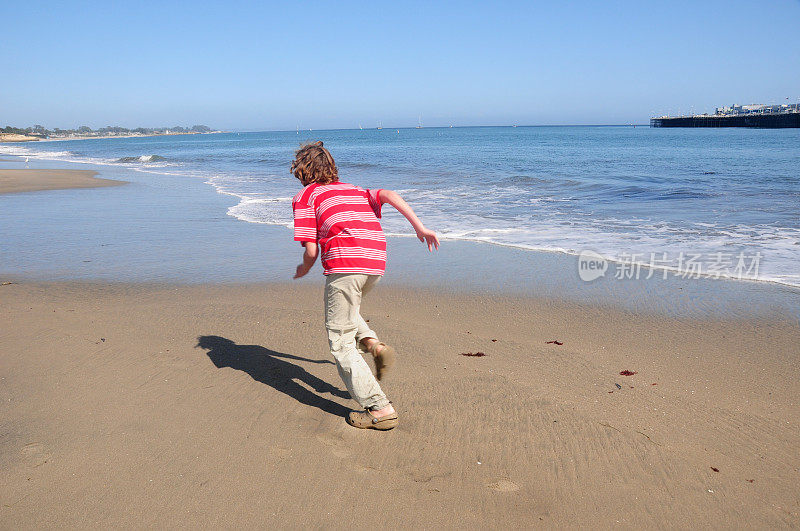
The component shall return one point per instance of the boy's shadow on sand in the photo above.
(268, 367)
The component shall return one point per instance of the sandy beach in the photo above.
(217, 405)
(213, 401)
(33, 180)
(12, 137)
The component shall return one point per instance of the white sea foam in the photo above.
(779, 246)
(29, 150)
(271, 211)
(142, 158)
(18, 150)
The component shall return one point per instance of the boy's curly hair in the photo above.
(314, 164)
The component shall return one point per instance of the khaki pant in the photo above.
(346, 328)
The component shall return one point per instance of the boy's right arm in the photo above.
(424, 234)
(309, 257)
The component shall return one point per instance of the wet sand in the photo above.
(217, 405)
(34, 180)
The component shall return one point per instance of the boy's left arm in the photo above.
(309, 257)
(424, 234)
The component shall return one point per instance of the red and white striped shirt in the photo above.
(343, 219)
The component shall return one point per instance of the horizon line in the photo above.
(427, 127)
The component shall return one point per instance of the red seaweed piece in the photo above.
(474, 355)
(626, 372)
(494, 341)
(715, 469)
(749, 480)
(654, 384)
(559, 343)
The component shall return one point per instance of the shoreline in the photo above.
(467, 266)
(147, 232)
(104, 384)
(781, 279)
(13, 181)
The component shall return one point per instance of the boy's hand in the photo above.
(301, 271)
(429, 237)
(309, 257)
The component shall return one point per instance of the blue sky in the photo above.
(264, 65)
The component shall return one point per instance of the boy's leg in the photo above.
(342, 302)
(363, 330)
(367, 340)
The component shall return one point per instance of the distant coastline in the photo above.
(133, 135)
(39, 133)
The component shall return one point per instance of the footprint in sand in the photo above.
(503, 485)
(334, 444)
(35, 454)
(279, 452)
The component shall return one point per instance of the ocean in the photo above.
(667, 198)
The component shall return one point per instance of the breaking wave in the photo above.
(143, 158)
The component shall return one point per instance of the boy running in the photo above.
(339, 221)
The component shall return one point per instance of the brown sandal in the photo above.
(366, 420)
(383, 359)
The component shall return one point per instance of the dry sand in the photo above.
(14, 137)
(33, 180)
(112, 415)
